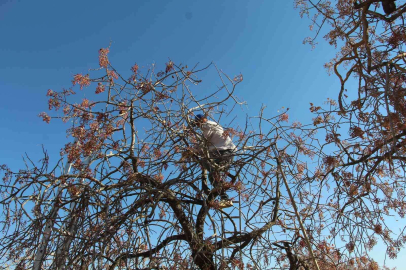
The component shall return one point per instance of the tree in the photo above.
(368, 165)
(132, 193)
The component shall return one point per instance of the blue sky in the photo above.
(44, 43)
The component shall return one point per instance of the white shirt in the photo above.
(213, 133)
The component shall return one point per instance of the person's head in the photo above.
(199, 120)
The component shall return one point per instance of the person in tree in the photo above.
(221, 151)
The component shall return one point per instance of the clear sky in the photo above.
(43, 43)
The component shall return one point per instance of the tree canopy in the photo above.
(130, 190)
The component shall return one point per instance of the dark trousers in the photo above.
(222, 158)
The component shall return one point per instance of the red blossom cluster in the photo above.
(145, 86)
(169, 67)
(356, 132)
(100, 88)
(103, 59)
(45, 117)
(82, 81)
(135, 68)
(284, 117)
(54, 100)
(112, 75)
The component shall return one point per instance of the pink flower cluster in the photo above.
(81, 80)
(45, 117)
(100, 88)
(103, 59)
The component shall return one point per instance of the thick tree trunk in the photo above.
(204, 260)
